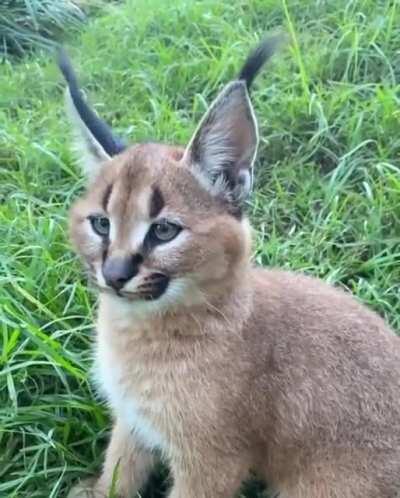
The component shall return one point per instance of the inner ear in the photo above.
(224, 146)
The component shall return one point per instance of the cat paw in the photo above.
(86, 489)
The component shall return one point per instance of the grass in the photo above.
(29, 24)
(327, 198)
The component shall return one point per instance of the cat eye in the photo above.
(164, 231)
(100, 224)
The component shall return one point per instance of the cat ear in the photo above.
(223, 149)
(94, 140)
(224, 146)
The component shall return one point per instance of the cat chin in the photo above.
(180, 292)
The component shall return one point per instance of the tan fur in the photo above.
(248, 369)
(226, 369)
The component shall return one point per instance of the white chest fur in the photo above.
(129, 400)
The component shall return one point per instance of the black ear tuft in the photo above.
(96, 126)
(223, 149)
(259, 57)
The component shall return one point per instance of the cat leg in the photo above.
(126, 463)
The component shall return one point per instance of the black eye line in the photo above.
(97, 215)
(106, 196)
(164, 221)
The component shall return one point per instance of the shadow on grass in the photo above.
(160, 483)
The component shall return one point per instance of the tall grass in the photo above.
(28, 24)
(326, 202)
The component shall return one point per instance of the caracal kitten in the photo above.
(215, 365)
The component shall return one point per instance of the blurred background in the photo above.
(326, 201)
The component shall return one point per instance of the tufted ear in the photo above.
(223, 148)
(94, 140)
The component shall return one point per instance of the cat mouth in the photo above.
(153, 287)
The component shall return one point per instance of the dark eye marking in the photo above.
(106, 196)
(156, 202)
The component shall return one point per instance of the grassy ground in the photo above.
(327, 199)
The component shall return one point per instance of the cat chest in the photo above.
(135, 402)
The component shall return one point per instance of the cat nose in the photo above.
(118, 270)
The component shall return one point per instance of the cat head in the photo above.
(161, 226)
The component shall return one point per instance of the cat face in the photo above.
(159, 224)
(148, 230)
